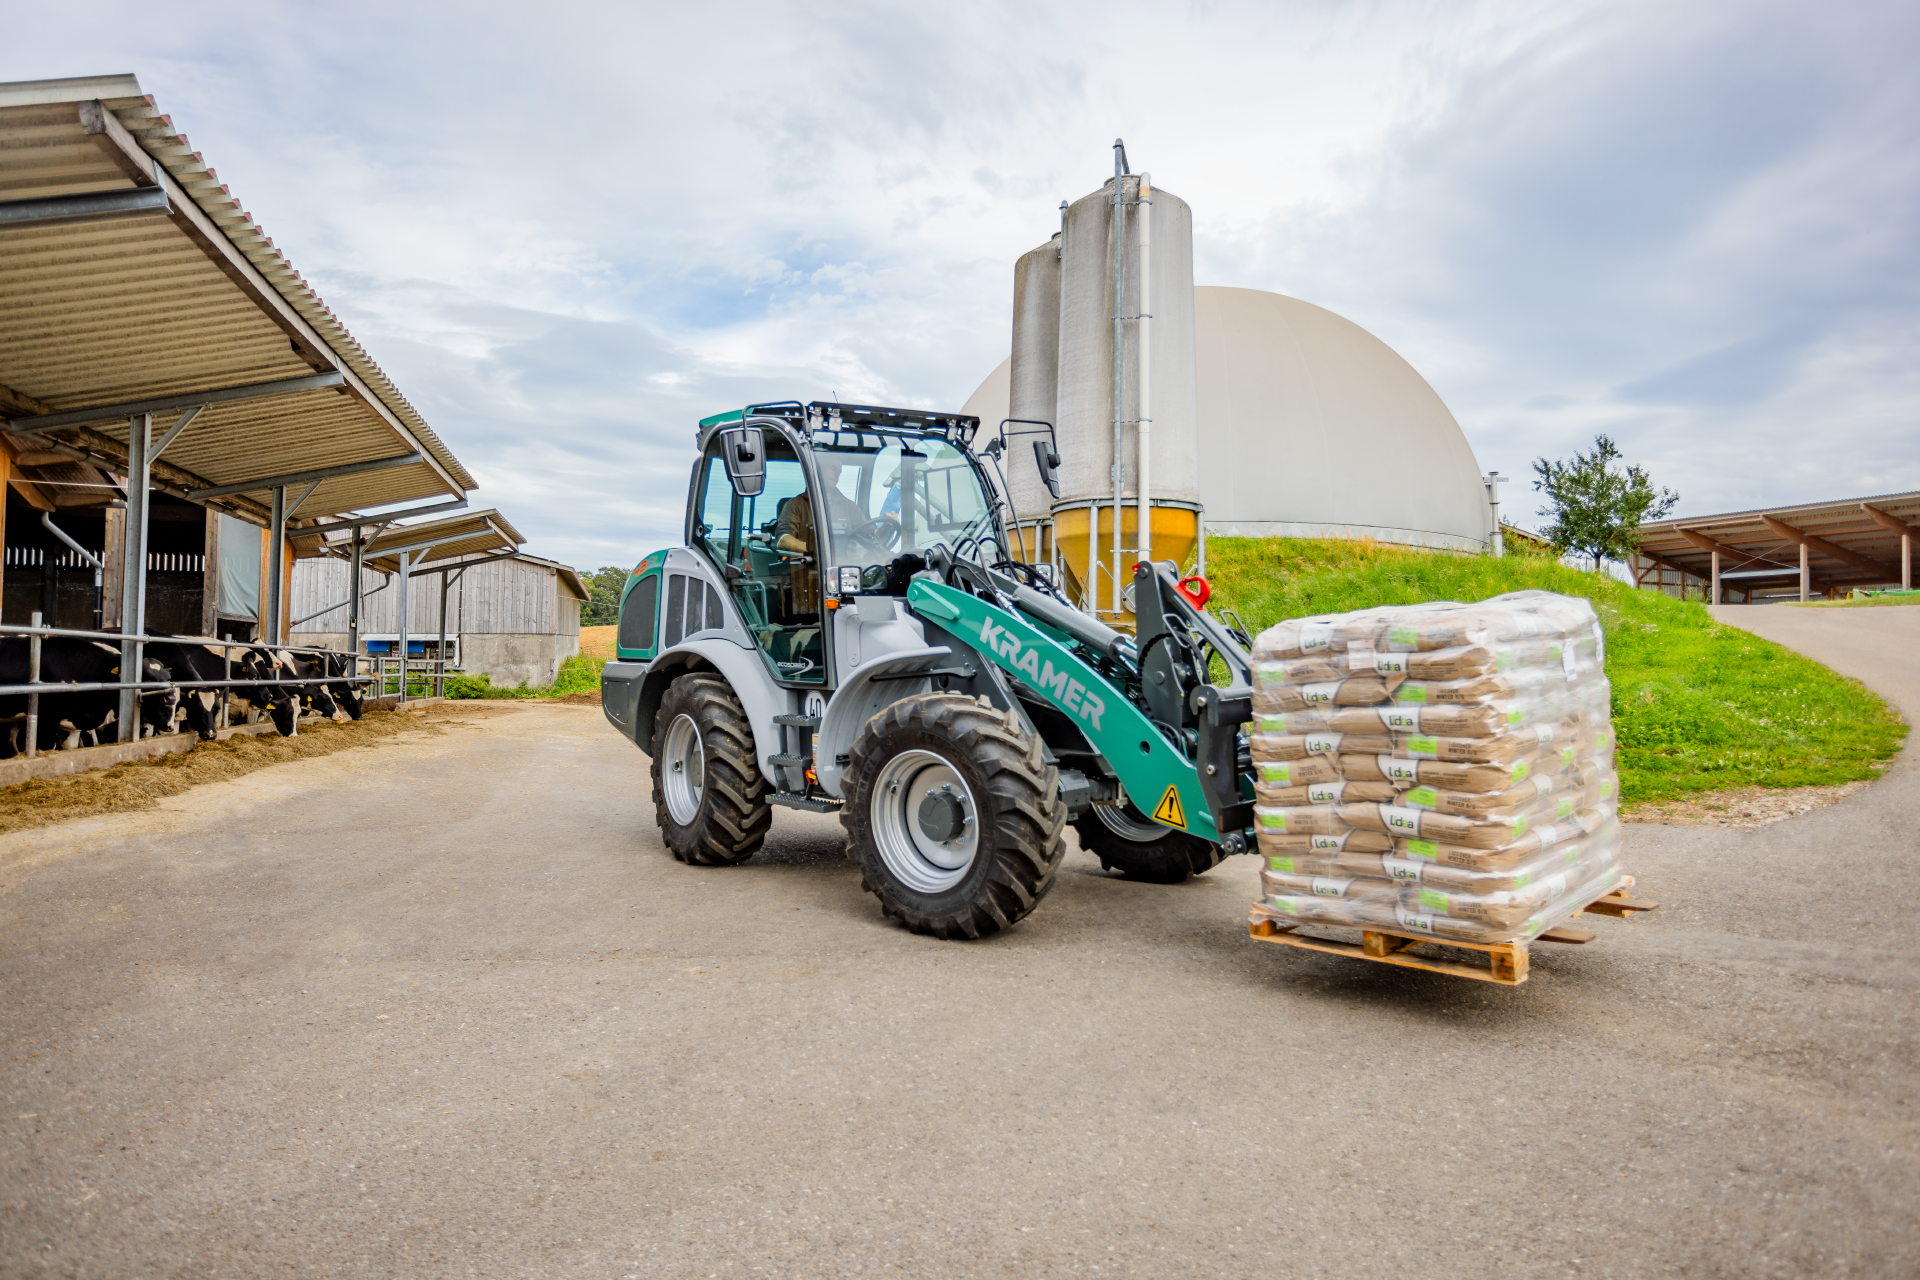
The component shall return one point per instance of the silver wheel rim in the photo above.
(683, 772)
(1126, 826)
(916, 859)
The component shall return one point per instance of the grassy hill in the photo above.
(1698, 706)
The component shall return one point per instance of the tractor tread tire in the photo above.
(734, 814)
(1015, 790)
(1168, 860)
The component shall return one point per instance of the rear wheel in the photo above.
(1127, 841)
(953, 815)
(709, 796)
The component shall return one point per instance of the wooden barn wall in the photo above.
(510, 597)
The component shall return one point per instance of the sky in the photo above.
(569, 231)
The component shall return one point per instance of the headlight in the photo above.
(848, 579)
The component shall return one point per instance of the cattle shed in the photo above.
(1824, 549)
(181, 415)
(503, 613)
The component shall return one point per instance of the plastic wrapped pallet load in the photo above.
(1439, 770)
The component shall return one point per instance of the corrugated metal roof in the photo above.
(110, 312)
(468, 533)
(1846, 545)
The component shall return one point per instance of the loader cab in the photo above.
(844, 493)
(776, 587)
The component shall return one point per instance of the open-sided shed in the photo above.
(1825, 548)
(168, 380)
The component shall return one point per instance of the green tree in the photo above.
(602, 608)
(1596, 507)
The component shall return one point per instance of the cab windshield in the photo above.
(890, 496)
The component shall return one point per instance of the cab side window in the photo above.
(778, 589)
(713, 516)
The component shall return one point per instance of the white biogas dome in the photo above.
(1309, 426)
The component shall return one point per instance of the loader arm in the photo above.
(1158, 776)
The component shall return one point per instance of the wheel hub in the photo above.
(925, 821)
(684, 769)
(941, 817)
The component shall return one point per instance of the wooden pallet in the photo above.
(1507, 960)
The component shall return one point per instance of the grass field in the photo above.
(1698, 706)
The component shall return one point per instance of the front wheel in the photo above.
(953, 814)
(1127, 841)
(709, 797)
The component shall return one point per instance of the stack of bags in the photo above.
(1440, 769)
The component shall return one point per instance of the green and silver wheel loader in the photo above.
(844, 629)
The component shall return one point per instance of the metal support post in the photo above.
(276, 567)
(355, 558)
(1806, 576)
(1906, 562)
(33, 699)
(1119, 259)
(133, 571)
(1716, 578)
(406, 571)
(440, 650)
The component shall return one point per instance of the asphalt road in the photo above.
(446, 1008)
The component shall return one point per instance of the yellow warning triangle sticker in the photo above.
(1169, 810)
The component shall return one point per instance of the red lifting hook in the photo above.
(1199, 596)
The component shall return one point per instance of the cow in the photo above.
(314, 695)
(69, 720)
(256, 666)
(350, 697)
(198, 660)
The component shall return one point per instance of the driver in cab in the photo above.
(795, 530)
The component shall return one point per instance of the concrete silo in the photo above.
(1113, 371)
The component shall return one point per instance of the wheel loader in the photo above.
(844, 629)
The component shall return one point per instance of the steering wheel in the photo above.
(878, 530)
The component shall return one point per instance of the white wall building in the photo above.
(1311, 427)
(512, 619)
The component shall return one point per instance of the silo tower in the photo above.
(1103, 349)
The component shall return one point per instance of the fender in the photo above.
(868, 689)
(1151, 769)
(743, 671)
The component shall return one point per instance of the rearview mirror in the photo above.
(745, 454)
(1049, 463)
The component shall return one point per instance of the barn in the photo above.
(513, 617)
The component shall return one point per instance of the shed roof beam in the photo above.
(119, 146)
(83, 444)
(91, 206)
(1852, 559)
(381, 553)
(194, 400)
(224, 254)
(303, 477)
(1888, 520)
(12, 401)
(391, 516)
(1705, 543)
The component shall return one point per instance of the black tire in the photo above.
(1168, 858)
(1009, 796)
(724, 814)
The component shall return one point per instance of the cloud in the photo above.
(568, 232)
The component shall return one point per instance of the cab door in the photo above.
(776, 590)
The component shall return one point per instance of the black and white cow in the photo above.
(279, 702)
(350, 697)
(314, 696)
(69, 720)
